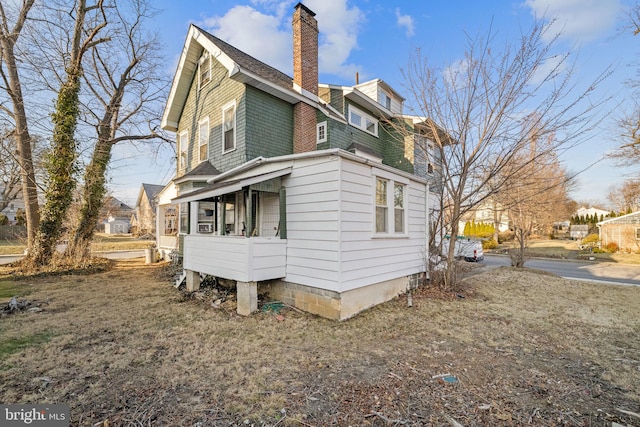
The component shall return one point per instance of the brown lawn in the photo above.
(124, 347)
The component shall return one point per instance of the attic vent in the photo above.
(204, 71)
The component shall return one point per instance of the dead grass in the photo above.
(526, 349)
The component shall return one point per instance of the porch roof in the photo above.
(226, 187)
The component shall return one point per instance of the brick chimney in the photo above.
(305, 75)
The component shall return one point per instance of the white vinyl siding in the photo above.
(330, 218)
(365, 260)
(313, 191)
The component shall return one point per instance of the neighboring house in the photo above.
(143, 221)
(167, 221)
(308, 191)
(591, 211)
(13, 206)
(578, 231)
(624, 231)
(116, 225)
(116, 216)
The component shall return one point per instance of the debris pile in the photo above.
(20, 304)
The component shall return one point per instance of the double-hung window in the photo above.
(204, 69)
(203, 139)
(390, 207)
(363, 121)
(229, 127)
(321, 132)
(183, 143)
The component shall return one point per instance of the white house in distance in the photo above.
(309, 192)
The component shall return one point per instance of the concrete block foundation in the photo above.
(331, 304)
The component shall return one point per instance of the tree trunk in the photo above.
(60, 168)
(93, 197)
(23, 143)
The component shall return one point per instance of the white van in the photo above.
(466, 248)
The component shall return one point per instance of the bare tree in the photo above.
(10, 170)
(626, 197)
(11, 84)
(125, 96)
(61, 164)
(534, 193)
(478, 114)
(628, 152)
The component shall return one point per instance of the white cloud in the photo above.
(405, 21)
(339, 26)
(264, 32)
(260, 35)
(578, 20)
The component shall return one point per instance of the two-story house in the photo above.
(301, 189)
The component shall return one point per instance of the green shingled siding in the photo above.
(208, 101)
(269, 126)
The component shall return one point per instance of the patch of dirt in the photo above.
(510, 348)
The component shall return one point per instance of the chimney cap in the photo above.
(305, 8)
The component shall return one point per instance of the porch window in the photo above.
(203, 139)
(170, 221)
(184, 218)
(637, 233)
(229, 127)
(230, 214)
(206, 217)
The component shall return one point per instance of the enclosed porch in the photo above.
(235, 231)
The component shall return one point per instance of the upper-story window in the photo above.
(229, 126)
(203, 139)
(204, 69)
(183, 143)
(321, 132)
(385, 100)
(363, 121)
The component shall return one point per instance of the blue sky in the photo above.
(375, 38)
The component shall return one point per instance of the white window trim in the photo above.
(200, 144)
(183, 142)
(391, 211)
(235, 114)
(365, 116)
(205, 57)
(318, 126)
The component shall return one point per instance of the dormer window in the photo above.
(362, 121)
(385, 100)
(204, 69)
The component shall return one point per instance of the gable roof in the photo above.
(241, 67)
(150, 191)
(632, 218)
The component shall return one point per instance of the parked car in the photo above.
(466, 248)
